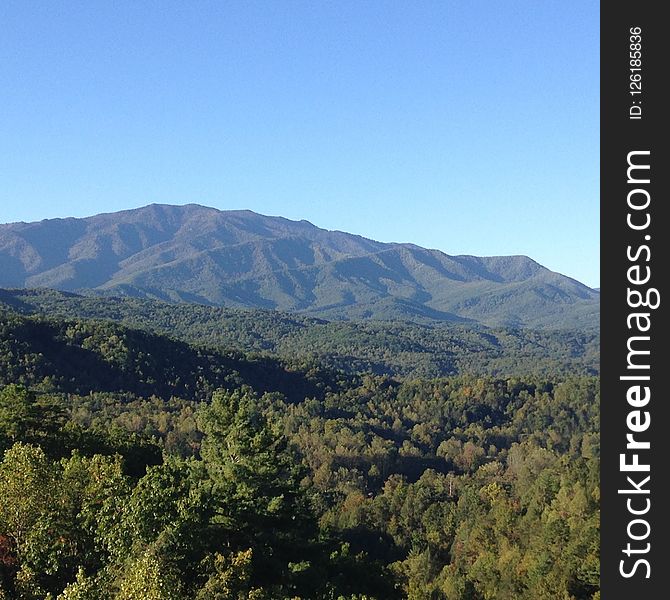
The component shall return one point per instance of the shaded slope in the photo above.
(400, 348)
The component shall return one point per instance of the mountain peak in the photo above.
(195, 253)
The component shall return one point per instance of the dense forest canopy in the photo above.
(140, 465)
(397, 348)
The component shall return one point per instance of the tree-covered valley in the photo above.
(402, 348)
(175, 452)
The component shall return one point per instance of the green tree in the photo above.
(230, 579)
(52, 515)
(24, 417)
(167, 515)
(255, 477)
(28, 489)
(149, 577)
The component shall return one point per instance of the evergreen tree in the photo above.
(255, 480)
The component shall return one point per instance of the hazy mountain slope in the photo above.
(239, 258)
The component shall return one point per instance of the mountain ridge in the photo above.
(192, 253)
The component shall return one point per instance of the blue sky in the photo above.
(471, 127)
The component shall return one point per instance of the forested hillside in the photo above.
(139, 466)
(397, 348)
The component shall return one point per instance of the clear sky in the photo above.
(468, 126)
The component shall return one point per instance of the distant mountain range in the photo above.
(202, 255)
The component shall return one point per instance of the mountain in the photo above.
(202, 255)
